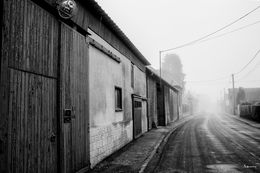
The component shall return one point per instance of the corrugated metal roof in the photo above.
(111, 24)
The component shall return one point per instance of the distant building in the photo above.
(164, 100)
(252, 95)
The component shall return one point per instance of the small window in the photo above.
(137, 104)
(118, 99)
(132, 75)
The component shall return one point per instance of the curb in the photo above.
(160, 145)
(241, 120)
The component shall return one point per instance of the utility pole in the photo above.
(160, 59)
(234, 98)
(224, 100)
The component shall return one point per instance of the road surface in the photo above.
(212, 143)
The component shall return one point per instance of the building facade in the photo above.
(67, 87)
(72, 90)
(164, 103)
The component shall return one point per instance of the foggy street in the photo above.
(212, 143)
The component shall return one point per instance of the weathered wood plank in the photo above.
(27, 122)
(103, 49)
(4, 87)
(74, 52)
(30, 144)
(33, 39)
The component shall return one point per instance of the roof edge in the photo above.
(118, 32)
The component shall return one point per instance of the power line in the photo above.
(235, 30)
(249, 72)
(217, 79)
(222, 28)
(214, 80)
(248, 63)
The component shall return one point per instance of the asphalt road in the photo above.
(211, 143)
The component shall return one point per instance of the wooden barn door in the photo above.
(161, 105)
(137, 116)
(29, 64)
(74, 80)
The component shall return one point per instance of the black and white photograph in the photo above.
(130, 86)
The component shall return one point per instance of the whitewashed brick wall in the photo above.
(106, 140)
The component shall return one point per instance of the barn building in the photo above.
(73, 88)
(164, 100)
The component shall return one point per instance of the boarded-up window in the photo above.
(132, 75)
(118, 99)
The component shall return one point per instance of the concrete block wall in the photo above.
(106, 140)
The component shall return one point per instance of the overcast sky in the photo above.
(154, 25)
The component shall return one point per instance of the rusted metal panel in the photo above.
(33, 39)
(32, 113)
(74, 80)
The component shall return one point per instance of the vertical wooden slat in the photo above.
(25, 143)
(21, 122)
(42, 131)
(4, 88)
(33, 38)
(28, 123)
(75, 53)
(10, 130)
(19, 118)
(32, 93)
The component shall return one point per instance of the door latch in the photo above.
(67, 117)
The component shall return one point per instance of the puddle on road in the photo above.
(223, 168)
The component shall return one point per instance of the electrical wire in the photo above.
(230, 32)
(208, 35)
(214, 80)
(249, 72)
(202, 40)
(238, 29)
(248, 63)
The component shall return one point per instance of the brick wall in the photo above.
(107, 139)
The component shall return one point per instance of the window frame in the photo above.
(132, 75)
(118, 99)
